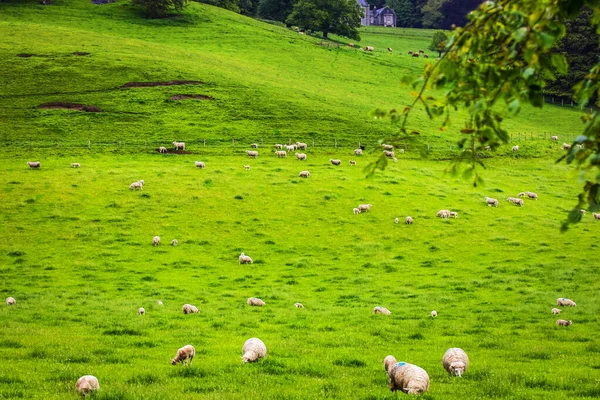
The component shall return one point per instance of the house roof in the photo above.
(381, 10)
(363, 3)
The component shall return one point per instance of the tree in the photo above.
(341, 17)
(438, 42)
(406, 14)
(493, 65)
(277, 10)
(432, 14)
(159, 8)
(455, 12)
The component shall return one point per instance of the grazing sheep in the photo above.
(253, 350)
(390, 49)
(396, 220)
(387, 147)
(515, 148)
(298, 305)
(87, 384)
(350, 44)
(278, 146)
(554, 137)
(253, 301)
(491, 202)
(516, 201)
(247, 167)
(200, 164)
(522, 194)
(281, 154)
(352, 162)
(159, 302)
(434, 314)
(596, 215)
(141, 181)
(532, 195)
(290, 147)
(421, 51)
(582, 211)
(425, 55)
(453, 214)
(565, 302)
(300, 156)
(356, 211)
(335, 162)
(75, 165)
(244, 259)
(10, 301)
(254, 145)
(141, 311)
(388, 154)
(407, 378)
(174, 242)
(555, 311)
(415, 54)
(185, 355)
(358, 152)
(304, 174)
(155, 240)
(562, 322)
(381, 310)
(410, 52)
(455, 361)
(179, 145)
(443, 213)
(369, 48)
(34, 164)
(566, 146)
(162, 149)
(301, 146)
(252, 154)
(189, 309)
(365, 207)
(408, 221)
(136, 185)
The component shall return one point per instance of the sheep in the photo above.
(352, 162)
(434, 314)
(159, 302)
(562, 322)
(410, 52)
(365, 207)
(252, 154)
(532, 195)
(301, 146)
(554, 137)
(278, 146)
(298, 305)
(566, 146)
(75, 165)
(34, 164)
(442, 213)
(582, 211)
(335, 162)
(179, 145)
(455, 361)
(141, 311)
(395, 159)
(415, 55)
(189, 309)
(453, 214)
(244, 259)
(388, 154)
(136, 185)
(300, 156)
(401, 151)
(491, 202)
(408, 221)
(304, 174)
(200, 164)
(155, 240)
(396, 220)
(390, 49)
(387, 147)
(516, 201)
(425, 55)
(290, 147)
(185, 355)
(162, 149)
(561, 301)
(141, 181)
(356, 211)
(350, 44)
(174, 242)
(87, 384)
(281, 154)
(254, 145)
(407, 378)
(358, 152)
(369, 48)
(10, 301)
(381, 310)
(253, 301)
(596, 215)
(555, 311)
(522, 194)
(421, 51)
(515, 148)
(247, 167)
(253, 350)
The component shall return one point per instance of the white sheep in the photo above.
(87, 384)
(301, 146)
(281, 154)
(387, 147)
(162, 149)
(179, 145)
(358, 152)
(279, 146)
(290, 147)
(136, 186)
(515, 148)
(174, 242)
(455, 361)
(254, 145)
(141, 311)
(554, 137)
(596, 215)
(159, 302)
(141, 181)
(253, 301)
(356, 211)
(365, 207)
(434, 314)
(155, 240)
(75, 165)
(388, 154)
(34, 164)
(566, 146)
(300, 156)
(189, 309)
(491, 202)
(252, 154)
(253, 350)
(10, 301)
(408, 220)
(247, 167)
(516, 201)
(453, 214)
(582, 211)
(200, 164)
(304, 174)
(407, 378)
(335, 162)
(381, 310)
(443, 214)
(531, 195)
(561, 301)
(244, 259)
(555, 311)
(562, 322)
(298, 305)
(396, 220)
(185, 355)
(352, 162)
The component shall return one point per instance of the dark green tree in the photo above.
(406, 14)
(277, 10)
(432, 16)
(159, 8)
(341, 17)
(438, 42)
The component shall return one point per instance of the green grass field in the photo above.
(76, 251)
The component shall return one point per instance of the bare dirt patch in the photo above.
(80, 53)
(25, 55)
(191, 96)
(70, 106)
(173, 151)
(152, 84)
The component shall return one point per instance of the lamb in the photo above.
(162, 149)
(254, 145)
(290, 147)
(34, 164)
(253, 350)
(562, 322)
(278, 146)
(253, 301)
(141, 311)
(281, 154)
(453, 214)
(388, 154)
(247, 167)
(189, 309)
(10, 301)
(185, 355)
(304, 174)
(365, 207)
(358, 152)
(491, 202)
(75, 165)
(555, 311)
(442, 214)
(390, 49)
(565, 302)
(596, 215)
(566, 146)
(405, 377)
(554, 137)
(352, 162)
(408, 221)
(455, 361)
(301, 156)
(136, 185)
(298, 305)
(244, 259)
(335, 162)
(174, 242)
(356, 211)
(301, 146)
(87, 384)
(179, 145)
(369, 48)
(434, 314)
(396, 220)
(387, 147)
(531, 195)
(515, 148)
(252, 154)
(200, 164)
(381, 310)
(155, 240)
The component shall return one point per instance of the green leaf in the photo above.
(559, 62)
(528, 72)
(514, 106)
(520, 34)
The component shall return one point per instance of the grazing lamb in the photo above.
(555, 311)
(155, 240)
(298, 305)
(244, 259)
(162, 149)
(596, 215)
(396, 220)
(352, 162)
(369, 48)
(301, 146)
(387, 147)
(174, 242)
(159, 302)
(75, 165)
(434, 314)
(358, 152)
(566, 146)
(252, 154)
(491, 202)
(453, 214)
(388, 154)
(381, 310)
(253, 350)
(442, 214)
(10, 301)
(136, 186)
(455, 361)
(565, 302)
(141, 311)
(290, 147)
(189, 309)
(254, 145)
(34, 164)
(87, 384)
(279, 146)
(515, 148)
(335, 162)
(408, 221)
(200, 164)
(247, 167)
(281, 154)
(179, 145)
(356, 211)
(301, 156)
(554, 137)
(582, 211)
(365, 207)
(185, 355)
(407, 378)
(253, 301)
(304, 174)
(562, 322)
